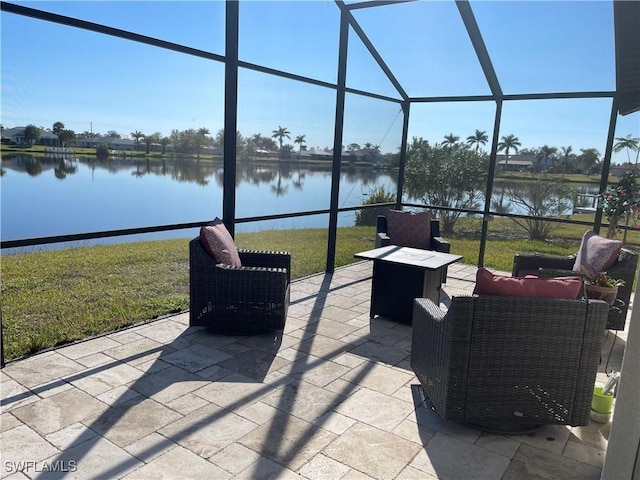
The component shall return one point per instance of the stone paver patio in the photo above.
(332, 397)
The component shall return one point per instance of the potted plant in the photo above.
(601, 286)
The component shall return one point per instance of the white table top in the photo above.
(427, 259)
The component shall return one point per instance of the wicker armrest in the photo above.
(429, 329)
(438, 359)
(556, 272)
(251, 279)
(439, 244)
(260, 258)
(382, 240)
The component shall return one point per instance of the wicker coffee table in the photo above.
(401, 274)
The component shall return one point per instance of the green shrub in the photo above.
(367, 216)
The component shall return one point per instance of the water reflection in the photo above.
(127, 192)
(186, 169)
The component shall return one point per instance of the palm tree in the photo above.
(546, 152)
(567, 157)
(450, 140)
(301, 141)
(151, 138)
(589, 157)
(137, 135)
(508, 142)
(164, 141)
(280, 134)
(202, 134)
(628, 143)
(477, 139)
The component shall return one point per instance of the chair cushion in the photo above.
(217, 241)
(409, 229)
(597, 253)
(489, 284)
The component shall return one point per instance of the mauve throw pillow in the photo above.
(597, 253)
(217, 241)
(409, 229)
(489, 284)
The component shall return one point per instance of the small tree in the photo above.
(57, 128)
(31, 134)
(66, 136)
(285, 152)
(451, 176)
(539, 197)
(102, 151)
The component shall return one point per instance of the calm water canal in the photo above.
(58, 196)
(61, 196)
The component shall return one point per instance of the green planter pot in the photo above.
(601, 403)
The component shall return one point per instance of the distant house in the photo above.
(371, 155)
(619, 170)
(15, 136)
(114, 143)
(317, 154)
(523, 163)
(260, 152)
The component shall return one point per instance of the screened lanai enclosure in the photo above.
(311, 115)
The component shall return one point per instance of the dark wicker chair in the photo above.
(549, 265)
(509, 364)
(438, 244)
(243, 300)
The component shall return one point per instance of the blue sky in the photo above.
(94, 82)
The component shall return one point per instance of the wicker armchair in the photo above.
(438, 243)
(624, 268)
(243, 300)
(509, 363)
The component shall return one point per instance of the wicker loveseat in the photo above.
(509, 363)
(624, 268)
(250, 299)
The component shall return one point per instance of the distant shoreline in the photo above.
(40, 151)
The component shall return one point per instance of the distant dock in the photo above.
(585, 203)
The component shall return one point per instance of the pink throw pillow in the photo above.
(217, 241)
(409, 229)
(597, 253)
(489, 284)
